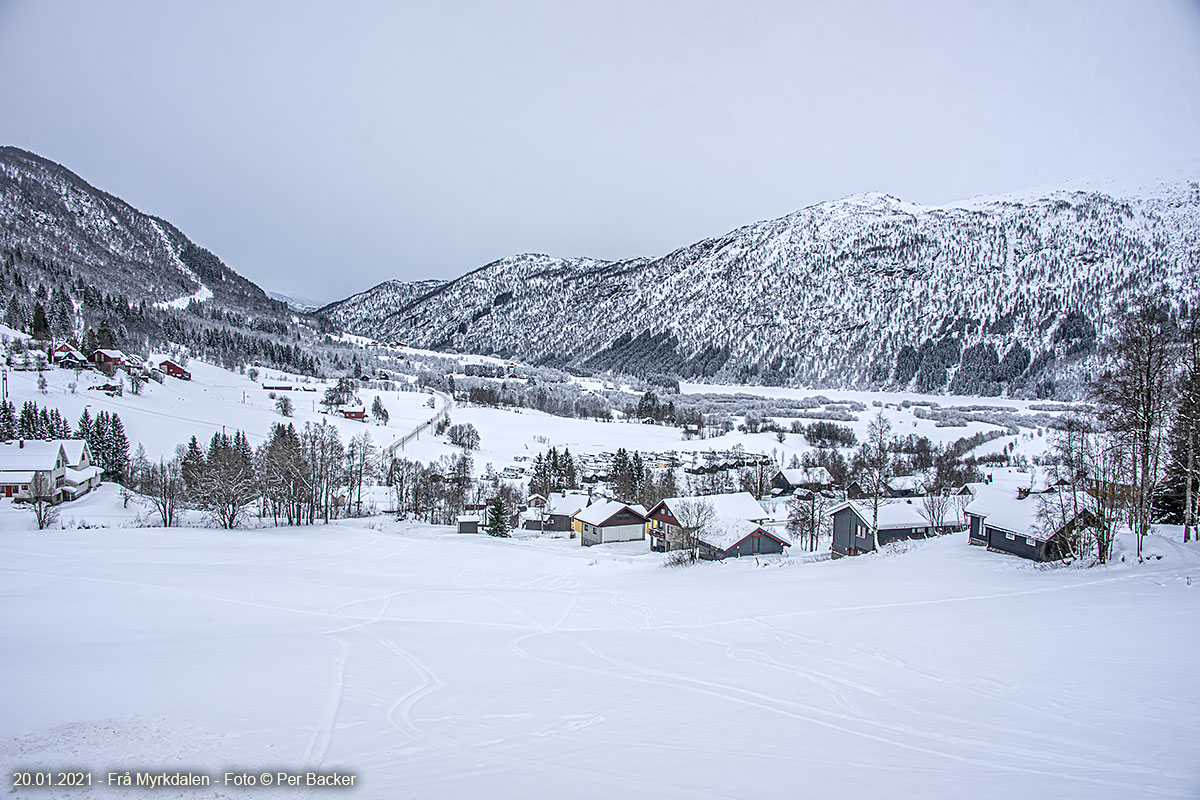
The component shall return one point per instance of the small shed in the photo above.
(468, 523)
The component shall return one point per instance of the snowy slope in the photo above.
(442, 666)
(868, 291)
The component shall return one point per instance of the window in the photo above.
(1012, 537)
(1030, 541)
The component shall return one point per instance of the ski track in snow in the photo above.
(611, 629)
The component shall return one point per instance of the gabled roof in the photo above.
(74, 449)
(808, 475)
(906, 482)
(725, 532)
(734, 505)
(568, 505)
(115, 355)
(70, 350)
(1001, 508)
(34, 455)
(892, 513)
(599, 513)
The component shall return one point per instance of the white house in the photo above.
(610, 521)
(23, 460)
(67, 464)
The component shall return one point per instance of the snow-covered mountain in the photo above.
(101, 272)
(379, 300)
(1009, 294)
(49, 212)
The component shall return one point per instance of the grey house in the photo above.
(1008, 522)
(898, 519)
(734, 538)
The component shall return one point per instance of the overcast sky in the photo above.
(321, 148)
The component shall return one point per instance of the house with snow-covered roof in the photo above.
(68, 357)
(609, 521)
(1013, 522)
(557, 511)
(812, 479)
(856, 530)
(110, 360)
(736, 525)
(22, 461)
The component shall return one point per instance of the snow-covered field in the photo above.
(441, 666)
(216, 399)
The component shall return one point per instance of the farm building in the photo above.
(610, 521)
(732, 538)
(169, 367)
(353, 412)
(898, 519)
(108, 359)
(468, 523)
(1014, 523)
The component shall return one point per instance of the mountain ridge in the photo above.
(954, 289)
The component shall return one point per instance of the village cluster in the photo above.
(1005, 515)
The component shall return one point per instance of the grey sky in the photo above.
(321, 148)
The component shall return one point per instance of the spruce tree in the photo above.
(8, 421)
(83, 428)
(497, 523)
(118, 449)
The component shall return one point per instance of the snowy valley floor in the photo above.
(443, 666)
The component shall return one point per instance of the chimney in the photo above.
(21, 444)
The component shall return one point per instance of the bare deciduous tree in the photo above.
(1135, 396)
(41, 500)
(694, 517)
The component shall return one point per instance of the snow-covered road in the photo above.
(435, 665)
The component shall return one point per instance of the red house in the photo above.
(353, 413)
(68, 356)
(113, 359)
(174, 370)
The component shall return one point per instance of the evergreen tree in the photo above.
(570, 478)
(83, 428)
(27, 426)
(497, 522)
(8, 421)
(41, 325)
(193, 465)
(118, 450)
